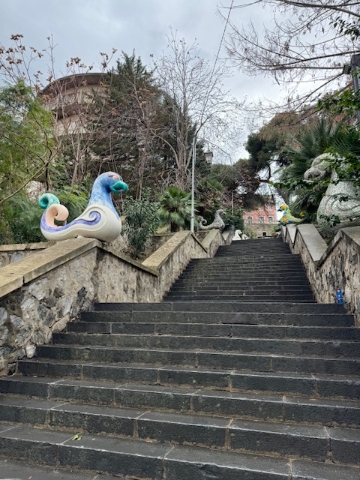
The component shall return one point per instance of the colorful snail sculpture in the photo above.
(99, 220)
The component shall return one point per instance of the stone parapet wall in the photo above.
(329, 266)
(14, 253)
(42, 292)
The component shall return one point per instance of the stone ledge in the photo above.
(209, 238)
(158, 258)
(291, 231)
(351, 235)
(54, 254)
(331, 267)
(16, 274)
(131, 261)
(314, 242)
(26, 246)
(10, 281)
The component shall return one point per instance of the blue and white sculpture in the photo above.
(99, 220)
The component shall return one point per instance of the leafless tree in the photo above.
(304, 42)
(199, 105)
(68, 96)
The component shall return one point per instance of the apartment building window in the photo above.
(261, 219)
(270, 219)
(249, 219)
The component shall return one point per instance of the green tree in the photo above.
(26, 140)
(209, 197)
(131, 115)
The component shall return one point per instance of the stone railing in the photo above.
(40, 293)
(329, 266)
(14, 253)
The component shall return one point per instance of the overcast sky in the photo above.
(83, 28)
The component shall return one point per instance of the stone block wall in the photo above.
(329, 266)
(14, 253)
(42, 292)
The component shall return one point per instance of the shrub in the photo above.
(141, 223)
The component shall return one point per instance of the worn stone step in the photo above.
(137, 459)
(222, 433)
(221, 270)
(268, 282)
(202, 287)
(293, 298)
(295, 347)
(223, 307)
(260, 407)
(255, 253)
(238, 261)
(251, 256)
(242, 291)
(248, 275)
(248, 279)
(312, 385)
(17, 470)
(236, 248)
(216, 330)
(227, 318)
(206, 359)
(245, 274)
(257, 260)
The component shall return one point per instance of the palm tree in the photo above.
(175, 208)
(313, 140)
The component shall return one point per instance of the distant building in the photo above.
(261, 221)
(68, 97)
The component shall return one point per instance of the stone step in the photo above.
(248, 275)
(255, 252)
(220, 270)
(275, 260)
(217, 330)
(258, 259)
(226, 318)
(207, 359)
(269, 282)
(265, 279)
(294, 347)
(254, 273)
(138, 459)
(240, 290)
(246, 406)
(224, 307)
(311, 385)
(236, 249)
(17, 470)
(249, 297)
(220, 433)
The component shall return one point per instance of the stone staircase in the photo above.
(237, 374)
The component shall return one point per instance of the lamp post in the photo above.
(192, 220)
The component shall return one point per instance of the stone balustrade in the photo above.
(329, 266)
(43, 291)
